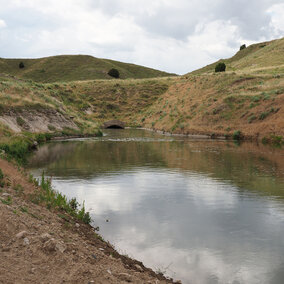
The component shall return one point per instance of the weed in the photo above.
(57, 200)
(263, 115)
(8, 201)
(251, 118)
(20, 121)
(18, 188)
(24, 209)
(237, 135)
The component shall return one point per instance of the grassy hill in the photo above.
(66, 68)
(260, 58)
(247, 98)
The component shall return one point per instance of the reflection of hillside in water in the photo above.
(91, 158)
(50, 153)
(252, 166)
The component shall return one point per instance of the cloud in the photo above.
(2, 24)
(175, 36)
(277, 23)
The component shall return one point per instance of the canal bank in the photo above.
(41, 245)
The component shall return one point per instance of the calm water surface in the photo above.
(201, 211)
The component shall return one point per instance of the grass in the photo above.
(2, 183)
(254, 58)
(66, 68)
(56, 200)
(195, 103)
(8, 201)
(18, 147)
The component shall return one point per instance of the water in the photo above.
(201, 211)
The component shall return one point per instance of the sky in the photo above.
(176, 36)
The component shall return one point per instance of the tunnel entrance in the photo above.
(114, 127)
(114, 124)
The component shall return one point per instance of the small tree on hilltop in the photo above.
(243, 47)
(21, 65)
(220, 67)
(113, 73)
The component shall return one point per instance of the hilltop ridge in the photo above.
(264, 57)
(66, 68)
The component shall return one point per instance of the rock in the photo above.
(125, 277)
(5, 249)
(77, 225)
(21, 235)
(109, 272)
(101, 249)
(60, 247)
(91, 282)
(33, 270)
(50, 245)
(45, 237)
(35, 144)
(138, 267)
(26, 242)
(6, 194)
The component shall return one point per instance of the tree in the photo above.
(243, 47)
(113, 73)
(220, 67)
(21, 65)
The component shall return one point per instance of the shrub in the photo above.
(1, 175)
(237, 135)
(220, 67)
(20, 121)
(113, 73)
(21, 65)
(243, 47)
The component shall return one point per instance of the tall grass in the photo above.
(56, 200)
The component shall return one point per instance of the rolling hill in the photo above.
(248, 98)
(66, 68)
(260, 58)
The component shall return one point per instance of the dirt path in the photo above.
(40, 246)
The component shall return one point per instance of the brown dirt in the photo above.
(39, 246)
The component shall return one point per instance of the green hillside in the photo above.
(66, 68)
(265, 57)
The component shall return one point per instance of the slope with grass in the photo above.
(248, 101)
(220, 105)
(66, 68)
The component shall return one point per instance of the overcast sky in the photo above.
(171, 35)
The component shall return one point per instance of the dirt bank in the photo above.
(38, 245)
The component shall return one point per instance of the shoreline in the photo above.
(36, 234)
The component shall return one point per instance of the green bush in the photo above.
(237, 135)
(21, 65)
(20, 121)
(220, 67)
(57, 200)
(1, 175)
(243, 47)
(113, 73)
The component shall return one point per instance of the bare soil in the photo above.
(42, 246)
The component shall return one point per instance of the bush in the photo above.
(113, 73)
(20, 121)
(237, 135)
(220, 67)
(21, 65)
(243, 47)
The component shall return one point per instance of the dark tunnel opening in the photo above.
(114, 127)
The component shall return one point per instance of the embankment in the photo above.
(43, 242)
